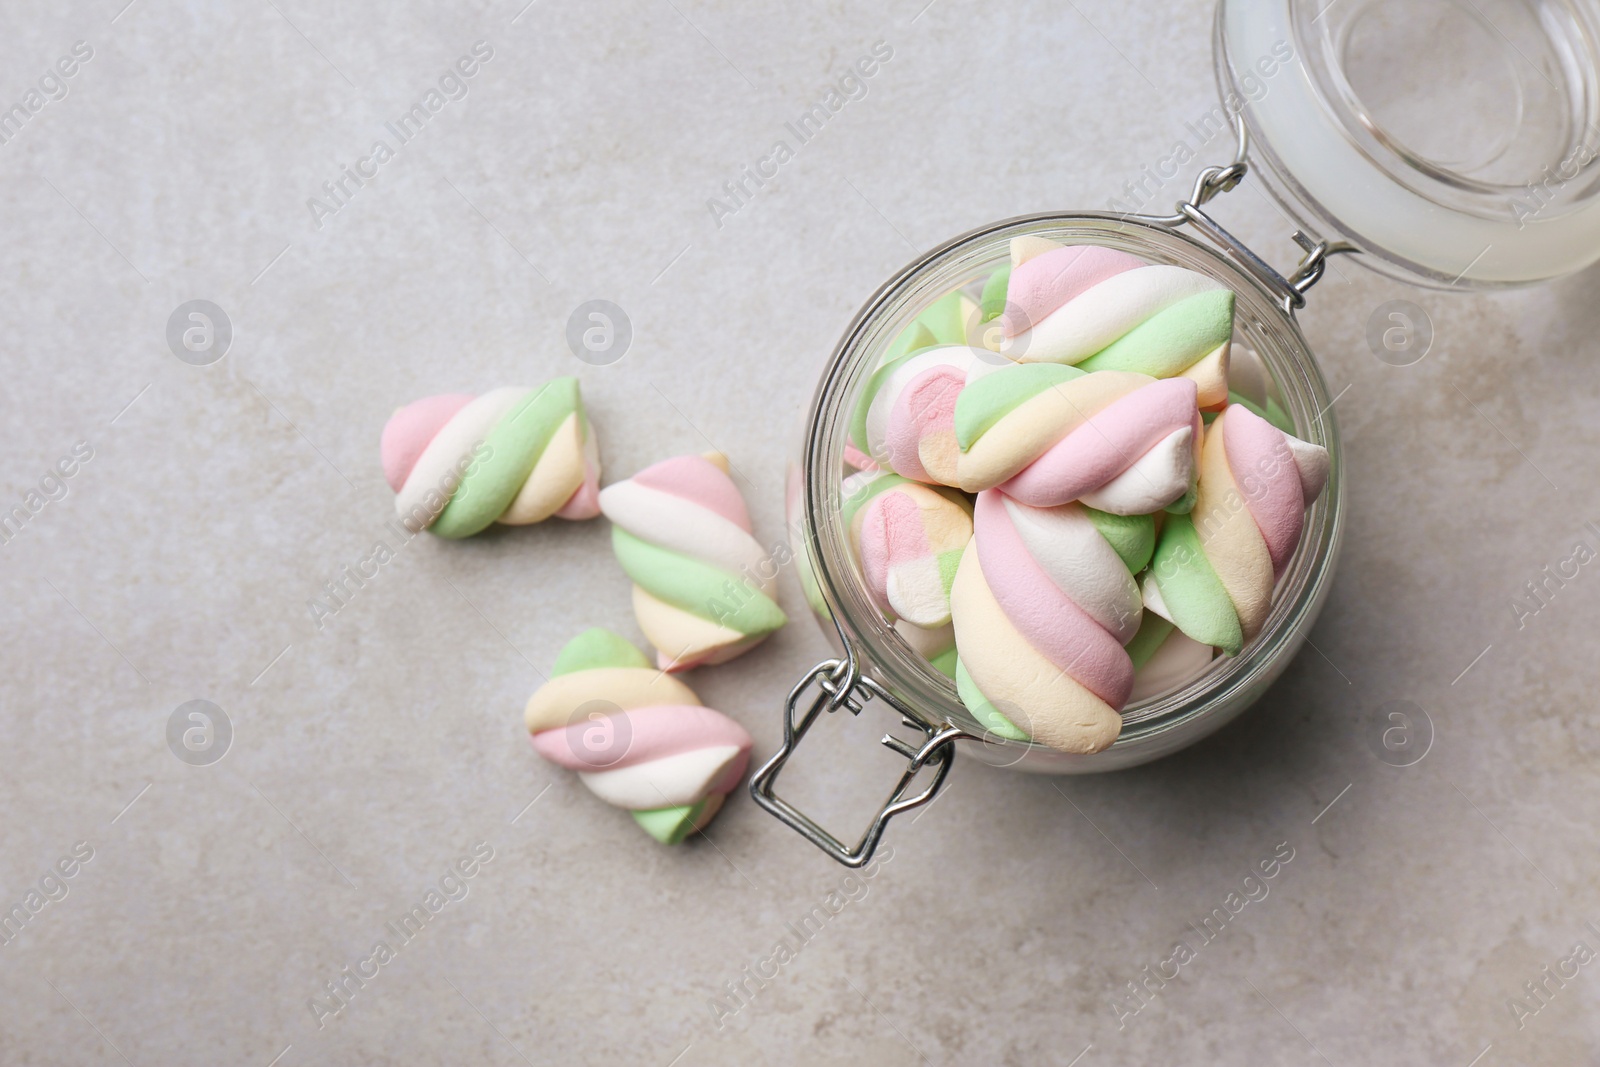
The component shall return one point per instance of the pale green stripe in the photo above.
(949, 563)
(1273, 412)
(1199, 603)
(1153, 630)
(670, 825)
(943, 319)
(808, 579)
(984, 711)
(1133, 536)
(1243, 401)
(912, 339)
(514, 445)
(994, 396)
(596, 649)
(993, 301)
(1185, 503)
(1170, 341)
(696, 587)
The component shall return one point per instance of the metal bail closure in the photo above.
(1289, 292)
(838, 684)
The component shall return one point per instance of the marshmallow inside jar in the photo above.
(1019, 422)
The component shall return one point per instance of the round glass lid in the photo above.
(1455, 141)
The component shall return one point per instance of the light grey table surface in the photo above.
(368, 756)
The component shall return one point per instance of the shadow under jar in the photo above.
(1349, 151)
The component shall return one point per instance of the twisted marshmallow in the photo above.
(1250, 384)
(703, 587)
(909, 539)
(638, 738)
(950, 321)
(513, 455)
(910, 422)
(992, 303)
(1046, 434)
(1043, 603)
(1214, 570)
(1164, 658)
(936, 645)
(1102, 309)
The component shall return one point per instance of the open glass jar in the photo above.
(1346, 149)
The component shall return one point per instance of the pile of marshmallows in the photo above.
(638, 737)
(1056, 497)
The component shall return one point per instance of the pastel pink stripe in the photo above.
(1048, 281)
(892, 533)
(1051, 621)
(858, 459)
(584, 503)
(1264, 468)
(1110, 442)
(924, 407)
(700, 481)
(409, 430)
(644, 734)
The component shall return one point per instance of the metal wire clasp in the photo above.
(1314, 262)
(838, 684)
(1290, 291)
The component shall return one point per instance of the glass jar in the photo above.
(1454, 141)
(1331, 134)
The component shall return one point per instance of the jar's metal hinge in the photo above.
(1289, 291)
(835, 684)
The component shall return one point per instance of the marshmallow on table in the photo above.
(1043, 603)
(1214, 570)
(459, 463)
(637, 736)
(704, 590)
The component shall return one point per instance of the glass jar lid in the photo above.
(1455, 141)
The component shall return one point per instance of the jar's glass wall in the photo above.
(831, 575)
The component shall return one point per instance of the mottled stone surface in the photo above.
(366, 757)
